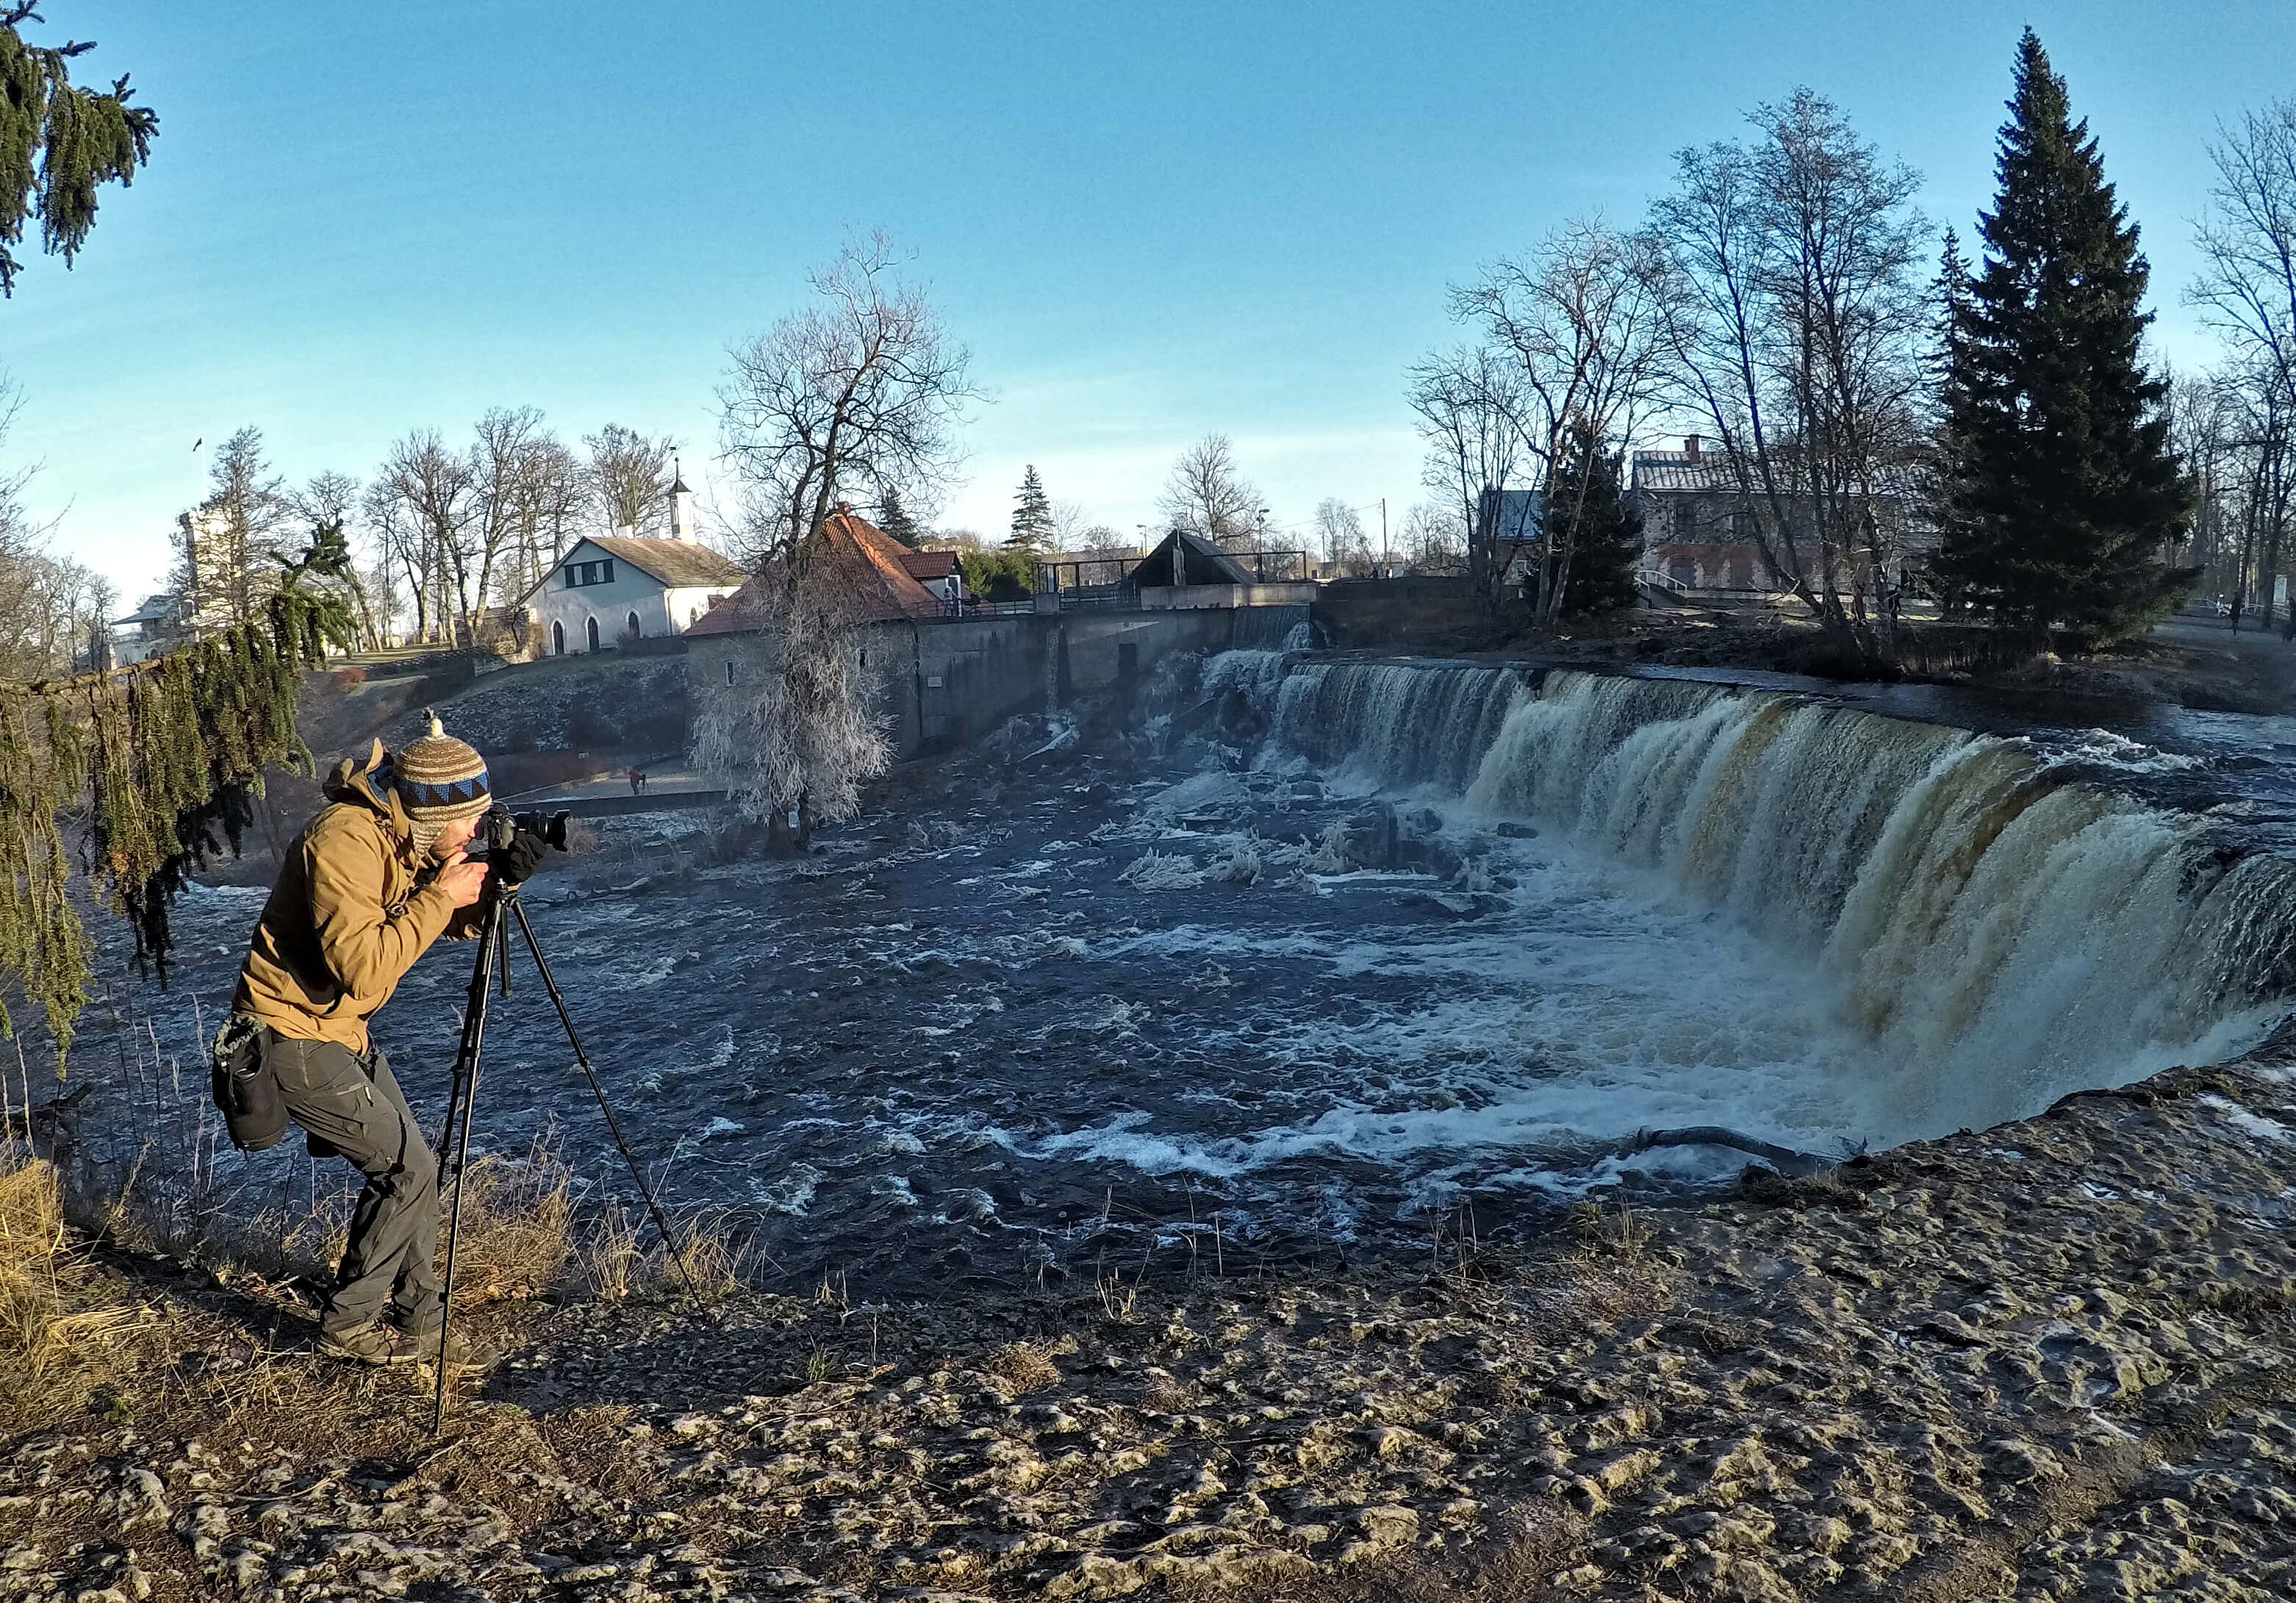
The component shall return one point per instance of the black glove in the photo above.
(522, 856)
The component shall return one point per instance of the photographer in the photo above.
(378, 875)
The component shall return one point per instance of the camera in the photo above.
(501, 827)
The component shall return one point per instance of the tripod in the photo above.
(502, 907)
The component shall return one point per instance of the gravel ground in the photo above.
(2048, 1362)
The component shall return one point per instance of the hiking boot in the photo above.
(462, 1353)
(376, 1345)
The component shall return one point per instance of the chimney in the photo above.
(1690, 446)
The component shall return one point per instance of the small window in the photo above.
(1685, 521)
(557, 639)
(729, 670)
(592, 630)
(573, 575)
(606, 572)
(634, 631)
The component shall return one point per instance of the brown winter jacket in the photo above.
(346, 920)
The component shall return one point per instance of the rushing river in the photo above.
(1335, 945)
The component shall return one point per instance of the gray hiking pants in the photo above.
(353, 1105)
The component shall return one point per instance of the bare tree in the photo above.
(1071, 526)
(405, 556)
(1569, 337)
(1795, 328)
(1467, 400)
(227, 547)
(862, 387)
(1209, 497)
(1433, 540)
(423, 494)
(1339, 531)
(629, 478)
(53, 612)
(2248, 288)
(512, 464)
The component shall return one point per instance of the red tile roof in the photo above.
(856, 562)
(929, 564)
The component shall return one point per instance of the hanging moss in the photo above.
(159, 765)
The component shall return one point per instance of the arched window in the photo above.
(557, 637)
(635, 631)
(593, 627)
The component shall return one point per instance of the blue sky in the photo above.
(1147, 223)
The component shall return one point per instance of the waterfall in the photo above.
(1391, 723)
(2000, 935)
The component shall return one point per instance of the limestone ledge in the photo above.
(2051, 1360)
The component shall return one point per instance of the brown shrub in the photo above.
(345, 678)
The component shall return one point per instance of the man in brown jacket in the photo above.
(376, 877)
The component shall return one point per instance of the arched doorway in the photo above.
(593, 628)
(557, 636)
(634, 630)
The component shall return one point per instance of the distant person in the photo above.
(372, 879)
(637, 780)
(642, 781)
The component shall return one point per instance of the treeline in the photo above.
(438, 533)
(1887, 425)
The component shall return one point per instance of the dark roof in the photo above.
(856, 562)
(680, 565)
(1663, 472)
(1710, 472)
(929, 564)
(1205, 565)
(1513, 513)
(677, 486)
(156, 609)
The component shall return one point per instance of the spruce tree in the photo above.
(1032, 514)
(2063, 488)
(58, 142)
(1587, 509)
(894, 519)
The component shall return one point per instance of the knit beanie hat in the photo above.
(439, 780)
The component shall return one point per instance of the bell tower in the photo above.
(681, 506)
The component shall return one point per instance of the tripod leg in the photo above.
(629, 1159)
(466, 1096)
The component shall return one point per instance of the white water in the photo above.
(1989, 938)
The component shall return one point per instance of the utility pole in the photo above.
(1386, 556)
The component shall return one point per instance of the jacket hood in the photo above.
(368, 782)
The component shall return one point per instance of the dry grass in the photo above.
(518, 1228)
(58, 1341)
(1024, 1366)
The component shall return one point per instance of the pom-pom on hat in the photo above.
(440, 779)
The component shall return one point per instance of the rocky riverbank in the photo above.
(2052, 1360)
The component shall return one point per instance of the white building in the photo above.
(608, 589)
(150, 629)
